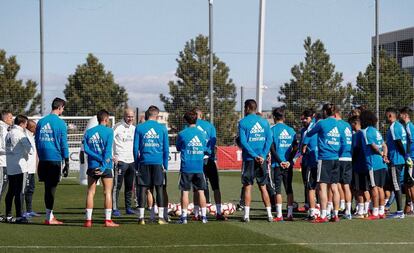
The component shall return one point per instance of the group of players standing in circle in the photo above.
(340, 161)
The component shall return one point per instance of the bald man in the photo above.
(124, 161)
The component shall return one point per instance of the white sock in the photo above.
(184, 213)
(323, 214)
(141, 212)
(161, 212)
(49, 214)
(366, 207)
(218, 208)
(386, 201)
(411, 205)
(196, 211)
(269, 211)
(246, 211)
(375, 211)
(108, 213)
(381, 210)
(361, 209)
(348, 208)
(204, 211)
(329, 208)
(342, 204)
(152, 213)
(311, 212)
(336, 213)
(279, 210)
(290, 211)
(88, 213)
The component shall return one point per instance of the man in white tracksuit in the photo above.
(6, 122)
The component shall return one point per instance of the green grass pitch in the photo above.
(230, 236)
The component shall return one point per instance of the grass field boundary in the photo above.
(200, 245)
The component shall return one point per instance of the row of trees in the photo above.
(314, 82)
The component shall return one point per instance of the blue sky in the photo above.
(139, 40)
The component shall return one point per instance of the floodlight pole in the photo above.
(42, 91)
(260, 56)
(210, 36)
(377, 60)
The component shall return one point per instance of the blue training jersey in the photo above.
(329, 138)
(310, 158)
(283, 137)
(359, 164)
(97, 143)
(51, 139)
(373, 136)
(395, 132)
(151, 144)
(345, 152)
(255, 137)
(409, 128)
(211, 135)
(192, 143)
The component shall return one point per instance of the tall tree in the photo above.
(91, 88)
(191, 89)
(314, 83)
(395, 89)
(15, 96)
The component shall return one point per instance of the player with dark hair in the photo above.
(375, 151)
(192, 144)
(98, 146)
(397, 151)
(405, 114)
(329, 144)
(283, 150)
(52, 149)
(6, 122)
(18, 148)
(255, 140)
(151, 152)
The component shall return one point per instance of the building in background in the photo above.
(400, 45)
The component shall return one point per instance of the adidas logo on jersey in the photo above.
(257, 128)
(348, 132)
(46, 129)
(284, 135)
(334, 132)
(151, 134)
(379, 137)
(96, 140)
(195, 142)
(201, 129)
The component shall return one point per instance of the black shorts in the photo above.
(311, 178)
(394, 177)
(408, 176)
(285, 176)
(195, 180)
(361, 181)
(49, 171)
(345, 172)
(165, 178)
(270, 186)
(150, 175)
(328, 171)
(211, 173)
(108, 173)
(377, 177)
(251, 170)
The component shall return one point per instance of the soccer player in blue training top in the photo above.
(255, 141)
(345, 165)
(360, 169)
(375, 152)
(98, 146)
(283, 149)
(329, 144)
(405, 113)
(52, 148)
(309, 150)
(151, 152)
(210, 167)
(397, 150)
(192, 145)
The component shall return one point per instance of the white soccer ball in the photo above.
(212, 210)
(177, 210)
(190, 208)
(232, 208)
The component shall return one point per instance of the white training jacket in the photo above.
(18, 148)
(32, 162)
(3, 132)
(124, 142)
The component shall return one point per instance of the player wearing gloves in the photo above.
(151, 153)
(98, 146)
(52, 148)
